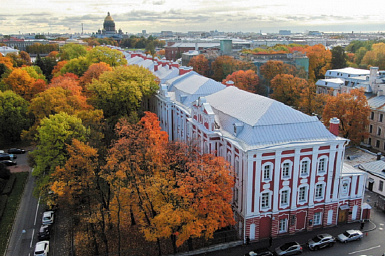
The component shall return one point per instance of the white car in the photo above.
(350, 235)
(41, 248)
(48, 217)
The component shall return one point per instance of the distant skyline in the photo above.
(67, 16)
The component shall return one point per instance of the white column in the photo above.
(277, 178)
(295, 178)
(353, 186)
(313, 173)
(340, 154)
(331, 171)
(249, 186)
(258, 164)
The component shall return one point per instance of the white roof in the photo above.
(377, 102)
(351, 71)
(267, 122)
(192, 86)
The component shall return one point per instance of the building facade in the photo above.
(289, 170)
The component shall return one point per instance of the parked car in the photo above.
(44, 233)
(41, 248)
(260, 252)
(8, 162)
(290, 248)
(321, 241)
(48, 217)
(16, 151)
(350, 235)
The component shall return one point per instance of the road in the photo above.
(29, 219)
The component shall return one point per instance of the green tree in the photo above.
(338, 57)
(109, 56)
(72, 51)
(53, 135)
(121, 91)
(13, 116)
(77, 66)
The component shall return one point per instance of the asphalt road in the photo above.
(28, 221)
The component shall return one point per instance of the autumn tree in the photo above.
(287, 89)
(93, 72)
(25, 56)
(78, 187)
(310, 102)
(272, 68)
(20, 82)
(226, 65)
(338, 57)
(200, 64)
(176, 192)
(375, 57)
(109, 56)
(77, 66)
(353, 110)
(13, 116)
(121, 91)
(56, 69)
(246, 80)
(53, 135)
(46, 65)
(319, 61)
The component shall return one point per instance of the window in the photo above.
(265, 201)
(377, 143)
(345, 188)
(371, 115)
(317, 218)
(236, 196)
(370, 128)
(370, 141)
(379, 131)
(284, 197)
(286, 170)
(304, 168)
(302, 194)
(282, 225)
(322, 165)
(381, 185)
(236, 167)
(267, 172)
(381, 117)
(319, 191)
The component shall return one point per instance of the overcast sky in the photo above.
(133, 16)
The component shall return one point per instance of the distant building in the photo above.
(285, 32)
(109, 29)
(174, 51)
(4, 50)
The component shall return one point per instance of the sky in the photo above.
(133, 16)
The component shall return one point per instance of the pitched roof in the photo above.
(375, 167)
(267, 122)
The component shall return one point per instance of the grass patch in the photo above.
(11, 209)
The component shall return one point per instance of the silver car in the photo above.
(290, 248)
(350, 235)
(321, 241)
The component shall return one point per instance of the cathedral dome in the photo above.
(109, 24)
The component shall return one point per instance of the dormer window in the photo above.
(238, 127)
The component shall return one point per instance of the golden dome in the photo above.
(108, 18)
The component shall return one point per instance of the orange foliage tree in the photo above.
(175, 191)
(319, 61)
(287, 89)
(93, 72)
(353, 111)
(200, 64)
(246, 80)
(21, 83)
(58, 67)
(225, 65)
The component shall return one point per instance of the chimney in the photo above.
(378, 156)
(334, 125)
(183, 70)
(229, 83)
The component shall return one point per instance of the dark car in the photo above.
(8, 162)
(5, 156)
(16, 151)
(321, 241)
(44, 233)
(260, 252)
